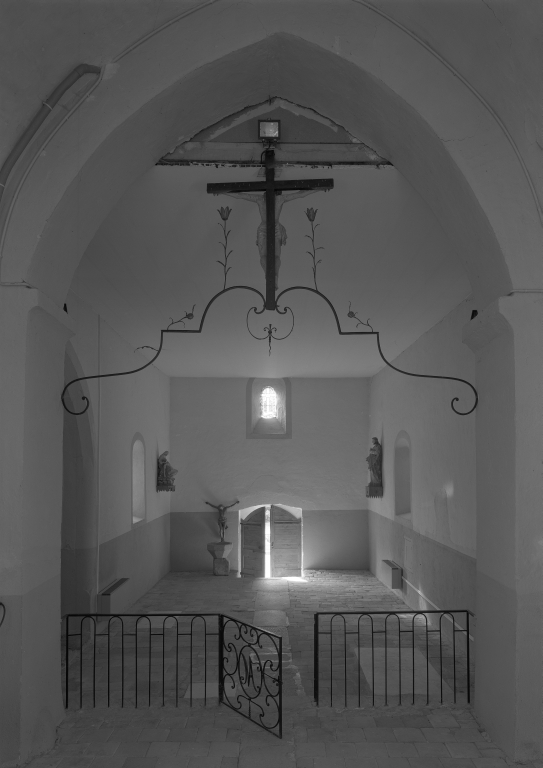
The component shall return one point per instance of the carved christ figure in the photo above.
(280, 232)
(221, 509)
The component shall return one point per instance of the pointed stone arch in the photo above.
(168, 87)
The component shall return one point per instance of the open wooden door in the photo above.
(286, 543)
(252, 543)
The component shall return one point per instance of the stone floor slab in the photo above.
(322, 737)
(277, 600)
(270, 619)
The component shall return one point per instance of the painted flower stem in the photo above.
(311, 214)
(224, 213)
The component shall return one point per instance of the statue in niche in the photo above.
(221, 509)
(280, 232)
(166, 474)
(375, 466)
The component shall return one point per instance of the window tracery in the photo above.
(268, 403)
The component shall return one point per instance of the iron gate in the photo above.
(134, 660)
(364, 658)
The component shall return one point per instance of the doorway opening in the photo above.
(271, 542)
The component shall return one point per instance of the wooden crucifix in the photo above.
(271, 234)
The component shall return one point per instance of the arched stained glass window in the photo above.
(268, 403)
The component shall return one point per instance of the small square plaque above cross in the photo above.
(271, 188)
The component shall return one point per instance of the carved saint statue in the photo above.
(375, 462)
(166, 474)
(221, 509)
(280, 232)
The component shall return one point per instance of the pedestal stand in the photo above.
(374, 491)
(220, 550)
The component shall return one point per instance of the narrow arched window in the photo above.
(138, 481)
(268, 403)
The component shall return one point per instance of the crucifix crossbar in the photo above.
(271, 188)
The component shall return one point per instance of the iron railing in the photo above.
(134, 660)
(392, 657)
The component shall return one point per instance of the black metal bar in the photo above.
(261, 186)
(344, 658)
(467, 656)
(399, 663)
(140, 616)
(67, 665)
(454, 660)
(413, 660)
(176, 662)
(81, 664)
(108, 658)
(374, 613)
(316, 658)
(221, 658)
(190, 677)
(331, 660)
(122, 663)
(205, 662)
(345, 665)
(441, 659)
(386, 664)
(144, 615)
(150, 662)
(358, 658)
(372, 664)
(280, 672)
(427, 667)
(163, 657)
(270, 229)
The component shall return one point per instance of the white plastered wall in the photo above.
(320, 469)
(121, 408)
(439, 556)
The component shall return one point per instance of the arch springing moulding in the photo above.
(270, 301)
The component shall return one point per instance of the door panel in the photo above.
(286, 538)
(252, 544)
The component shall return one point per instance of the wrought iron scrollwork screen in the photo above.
(173, 660)
(251, 673)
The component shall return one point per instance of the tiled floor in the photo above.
(214, 736)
